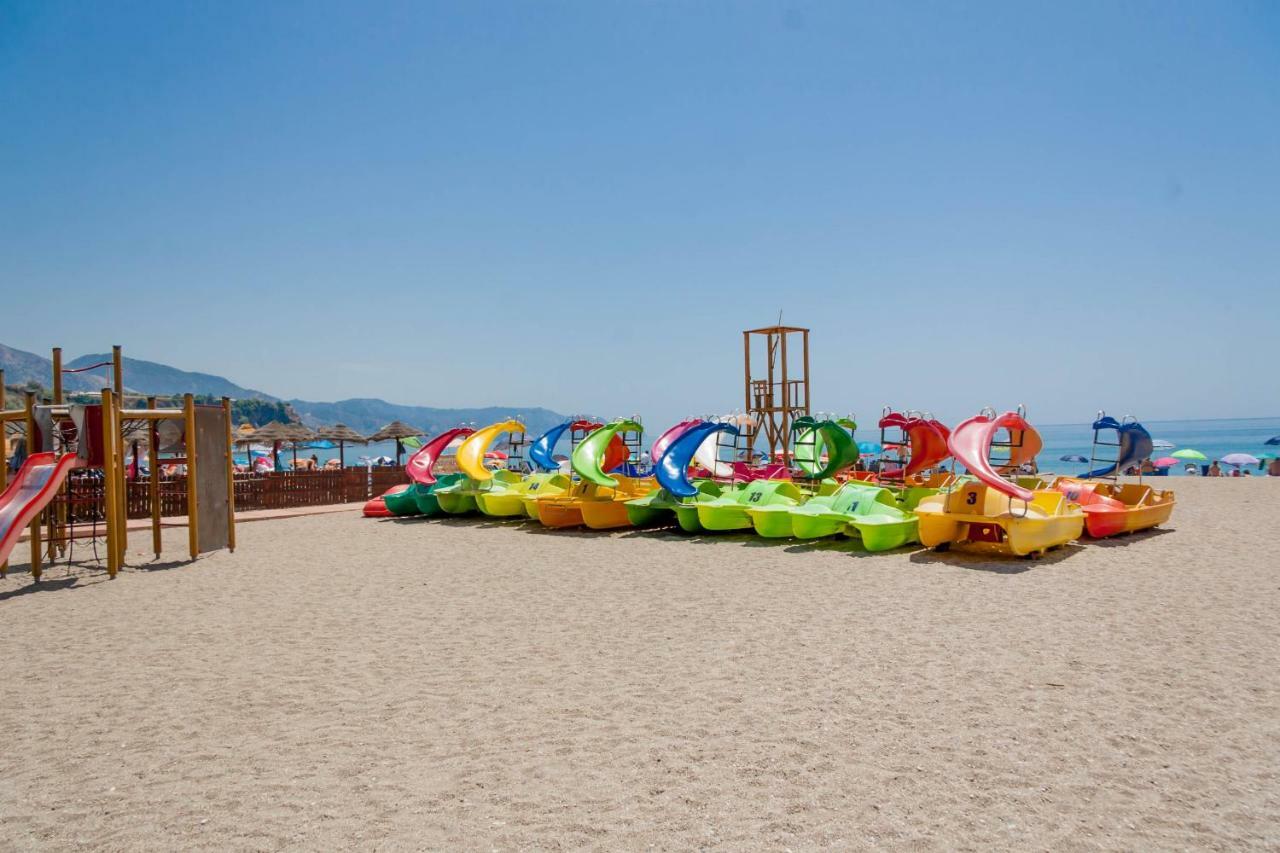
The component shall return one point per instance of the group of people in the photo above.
(1270, 467)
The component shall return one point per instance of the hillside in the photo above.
(363, 415)
(149, 377)
(367, 415)
(21, 367)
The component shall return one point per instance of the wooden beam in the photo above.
(231, 475)
(193, 509)
(57, 376)
(153, 481)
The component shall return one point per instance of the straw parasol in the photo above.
(398, 430)
(272, 434)
(298, 433)
(342, 434)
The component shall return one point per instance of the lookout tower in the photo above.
(776, 381)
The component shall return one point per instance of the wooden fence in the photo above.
(276, 490)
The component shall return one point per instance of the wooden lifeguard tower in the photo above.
(779, 393)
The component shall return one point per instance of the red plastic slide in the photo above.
(928, 444)
(420, 464)
(970, 444)
(36, 484)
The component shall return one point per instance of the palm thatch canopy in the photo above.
(299, 432)
(340, 432)
(272, 432)
(396, 430)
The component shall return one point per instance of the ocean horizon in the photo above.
(1214, 437)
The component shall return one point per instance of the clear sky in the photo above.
(581, 204)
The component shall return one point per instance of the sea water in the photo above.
(1213, 438)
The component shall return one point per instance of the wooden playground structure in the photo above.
(107, 440)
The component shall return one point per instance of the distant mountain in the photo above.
(367, 415)
(362, 415)
(149, 377)
(21, 367)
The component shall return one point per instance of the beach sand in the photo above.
(341, 682)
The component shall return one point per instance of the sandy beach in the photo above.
(348, 683)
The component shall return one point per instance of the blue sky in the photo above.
(580, 205)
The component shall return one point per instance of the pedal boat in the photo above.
(860, 511)
(1112, 509)
(988, 514)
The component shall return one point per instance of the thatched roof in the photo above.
(299, 432)
(274, 431)
(340, 432)
(396, 429)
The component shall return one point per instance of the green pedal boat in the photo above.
(857, 510)
(731, 511)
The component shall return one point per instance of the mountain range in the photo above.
(364, 415)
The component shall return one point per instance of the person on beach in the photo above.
(1273, 470)
(1214, 470)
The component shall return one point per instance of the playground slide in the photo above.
(34, 486)
(970, 444)
(472, 450)
(598, 453)
(420, 464)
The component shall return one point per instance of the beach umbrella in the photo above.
(399, 431)
(272, 434)
(869, 448)
(1161, 444)
(342, 434)
(1239, 459)
(1188, 453)
(1165, 462)
(298, 434)
(1074, 457)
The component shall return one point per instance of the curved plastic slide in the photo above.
(420, 464)
(1135, 445)
(707, 456)
(471, 452)
(542, 451)
(668, 438)
(672, 470)
(592, 457)
(30, 491)
(970, 444)
(842, 451)
(928, 444)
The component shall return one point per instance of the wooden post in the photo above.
(153, 481)
(57, 376)
(193, 509)
(122, 482)
(34, 529)
(117, 374)
(231, 477)
(805, 333)
(109, 474)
